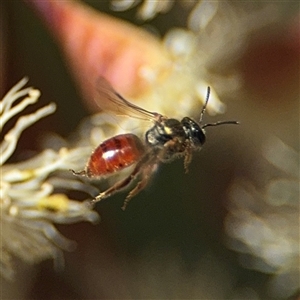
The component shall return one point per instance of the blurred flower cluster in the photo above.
(263, 222)
(30, 205)
(203, 53)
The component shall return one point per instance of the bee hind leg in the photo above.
(146, 172)
(118, 185)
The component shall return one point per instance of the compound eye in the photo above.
(194, 132)
(200, 136)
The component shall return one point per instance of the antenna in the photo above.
(205, 104)
(212, 124)
(220, 123)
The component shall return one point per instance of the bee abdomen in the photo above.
(115, 154)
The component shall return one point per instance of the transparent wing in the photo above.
(111, 101)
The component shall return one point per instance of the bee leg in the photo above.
(187, 158)
(147, 172)
(118, 185)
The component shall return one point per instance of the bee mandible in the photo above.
(166, 140)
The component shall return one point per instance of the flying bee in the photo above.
(165, 141)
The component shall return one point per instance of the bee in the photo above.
(166, 140)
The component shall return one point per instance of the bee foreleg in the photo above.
(187, 158)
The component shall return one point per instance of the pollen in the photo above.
(56, 202)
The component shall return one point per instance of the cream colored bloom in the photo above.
(29, 204)
(200, 55)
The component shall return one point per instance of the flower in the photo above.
(29, 204)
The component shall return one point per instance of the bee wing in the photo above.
(110, 100)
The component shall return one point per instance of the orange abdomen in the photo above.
(115, 154)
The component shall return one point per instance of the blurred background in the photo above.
(229, 229)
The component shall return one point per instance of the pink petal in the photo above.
(97, 45)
